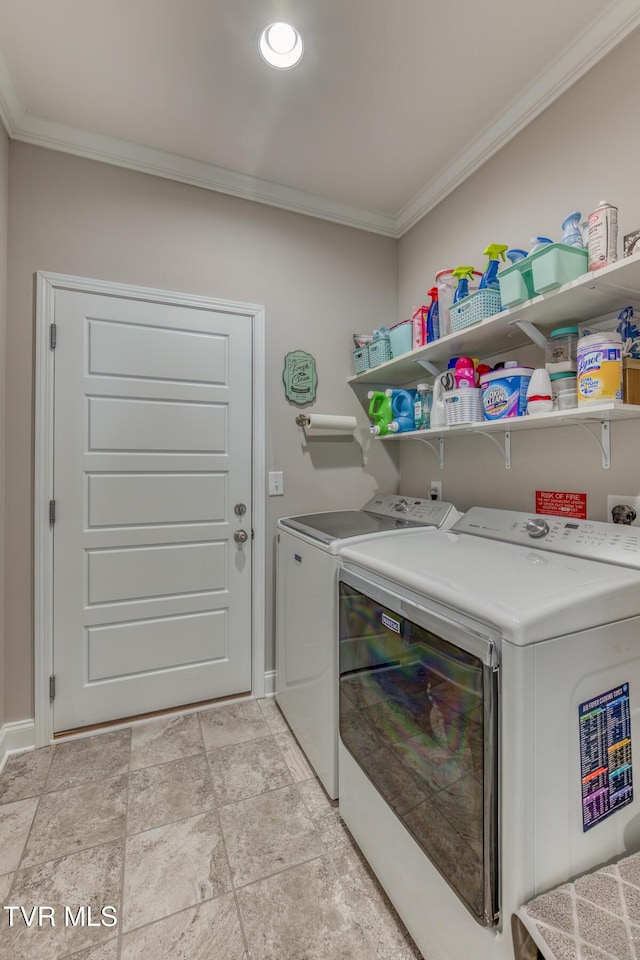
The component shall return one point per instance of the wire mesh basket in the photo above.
(379, 351)
(474, 308)
(361, 359)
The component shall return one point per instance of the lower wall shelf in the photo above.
(500, 431)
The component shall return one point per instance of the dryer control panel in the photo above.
(591, 539)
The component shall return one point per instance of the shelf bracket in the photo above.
(439, 453)
(504, 450)
(429, 366)
(603, 444)
(530, 331)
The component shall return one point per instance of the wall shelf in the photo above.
(590, 296)
(599, 415)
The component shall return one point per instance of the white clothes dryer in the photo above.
(489, 692)
(307, 617)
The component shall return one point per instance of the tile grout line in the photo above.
(124, 849)
(226, 852)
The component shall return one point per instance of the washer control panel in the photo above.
(412, 509)
(606, 542)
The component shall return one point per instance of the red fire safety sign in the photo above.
(558, 503)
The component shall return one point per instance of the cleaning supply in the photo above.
(463, 275)
(402, 409)
(539, 243)
(561, 350)
(515, 254)
(494, 251)
(539, 397)
(464, 373)
(602, 242)
(571, 234)
(504, 391)
(600, 368)
(446, 284)
(433, 317)
(380, 412)
(422, 406)
(481, 369)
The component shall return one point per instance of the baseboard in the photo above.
(270, 683)
(15, 737)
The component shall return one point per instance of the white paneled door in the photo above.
(152, 485)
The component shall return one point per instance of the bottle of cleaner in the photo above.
(422, 406)
(433, 316)
(463, 275)
(402, 408)
(380, 412)
(494, 251)
(464, 373)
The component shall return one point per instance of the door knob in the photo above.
(240, 509)
(240, 536)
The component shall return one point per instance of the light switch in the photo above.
(276, 483)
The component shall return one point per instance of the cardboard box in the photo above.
(631, 380)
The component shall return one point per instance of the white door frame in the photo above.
(47, 284)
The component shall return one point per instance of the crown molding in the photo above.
(12, 112)
(123, 153)
(589, 47)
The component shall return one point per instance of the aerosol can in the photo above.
(602, 236)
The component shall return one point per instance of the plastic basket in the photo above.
(379, 351)
(463, 405)
(556, 264)
(361, 359)
(401, 336)
(474, 308)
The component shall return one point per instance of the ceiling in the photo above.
(394, 103)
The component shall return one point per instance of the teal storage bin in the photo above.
(544, 270)
(401, 336)
(555, 264)
(516, 283)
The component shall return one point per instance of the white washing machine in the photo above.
(306, 611)
(489, 692)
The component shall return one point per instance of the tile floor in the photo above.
(209, 835)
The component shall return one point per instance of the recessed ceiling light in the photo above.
(281, 45)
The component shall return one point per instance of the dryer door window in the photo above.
(417, 713)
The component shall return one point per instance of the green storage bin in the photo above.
(516, 283)
(555, 264)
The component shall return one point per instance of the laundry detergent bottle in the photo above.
(380, 412)
(403, 410)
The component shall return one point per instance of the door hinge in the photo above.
(53, 333)
(52, 688)
(252, 535)
(52, 512)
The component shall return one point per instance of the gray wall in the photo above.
(582, 149)
(319, 282)
(4, 196)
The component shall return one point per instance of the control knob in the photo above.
(537, 528)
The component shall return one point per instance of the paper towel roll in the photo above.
(322, 424)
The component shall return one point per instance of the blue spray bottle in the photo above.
(571, 230)
(433, 316)
(463, 275)
(490, 276)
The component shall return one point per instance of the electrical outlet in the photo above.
(435, 490)
(619, 502)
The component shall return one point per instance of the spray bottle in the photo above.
(490, 276)
(380, 412)
(571, 230)
(433, 316)
(463, 275)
